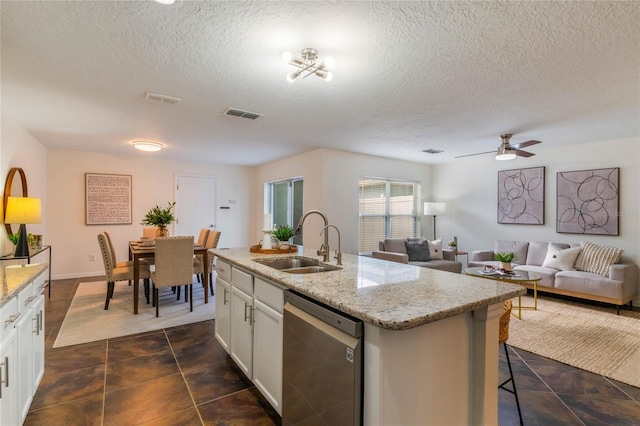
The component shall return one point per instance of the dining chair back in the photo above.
(198, 262)
(202, 238)
(174, 265)
(118, 273)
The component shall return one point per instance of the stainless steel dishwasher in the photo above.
(322, 364)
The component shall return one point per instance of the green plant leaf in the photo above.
(159, 216)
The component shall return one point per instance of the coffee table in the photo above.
(520, 278)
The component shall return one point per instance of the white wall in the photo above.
(469, 187)
(331, 185)
(152, 183)
(19, 149)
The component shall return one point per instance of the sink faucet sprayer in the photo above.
(324, 249)
(338, 256)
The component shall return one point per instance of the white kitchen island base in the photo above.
(441, 373)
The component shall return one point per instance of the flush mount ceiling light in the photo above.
(148, 146)
(505, 153)
(166, 1)
(308, 64)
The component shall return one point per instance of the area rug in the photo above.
(87, 321)
(589, 337)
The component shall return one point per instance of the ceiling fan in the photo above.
(508, 151)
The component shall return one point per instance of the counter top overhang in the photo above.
(386, 294)
(14, 278)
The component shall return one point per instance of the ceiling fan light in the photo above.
(286, 57)
(147, 146)
(328, 77)
(505, 153)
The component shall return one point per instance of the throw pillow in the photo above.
(435, 249)
(559, 258)
(597, 259)
(418, 250)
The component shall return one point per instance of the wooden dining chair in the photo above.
(174, 266)
(118, 273)
(198, 263)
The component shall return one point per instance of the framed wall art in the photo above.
(588, 202)
(107, 199)
(521, 196)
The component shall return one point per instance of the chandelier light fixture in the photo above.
(307, 64)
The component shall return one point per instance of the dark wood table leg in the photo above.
(136, 281)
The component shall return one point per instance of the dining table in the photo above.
(141, 250)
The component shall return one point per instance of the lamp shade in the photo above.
(23, 210)
(434, 209)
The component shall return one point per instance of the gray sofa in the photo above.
(618, 287)
(394, 249)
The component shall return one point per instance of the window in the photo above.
(284, 201)
(388, 209)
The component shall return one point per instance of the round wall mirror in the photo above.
(15, 189)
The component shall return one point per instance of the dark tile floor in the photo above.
(182, 376)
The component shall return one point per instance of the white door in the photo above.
(195, 204)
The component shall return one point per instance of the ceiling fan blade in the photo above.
(521, 153)
(477, 153)
(524, 144)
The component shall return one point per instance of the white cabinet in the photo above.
(223, 312)
(9, 413)
(242, 330)
(21, 351)
(267, 353)
(249, 326)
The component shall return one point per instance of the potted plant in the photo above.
(505, 259)
(453, 245)
(160, 218)
(283, 233)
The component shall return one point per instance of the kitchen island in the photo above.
(431, 337)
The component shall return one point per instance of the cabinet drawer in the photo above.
(8, 318)
(242, 280)
(269, 294)
(223, 269)
(26, 298)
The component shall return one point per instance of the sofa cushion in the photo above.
(546, 274)
(417, 249)
(536, 253)
(561, 258)
(395, 245)
(597, 259)
(589, 283)
(519, 248)
(435, 249)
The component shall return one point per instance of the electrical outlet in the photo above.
(92, 258)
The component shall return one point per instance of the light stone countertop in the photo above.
(389, 295)
(14, 278)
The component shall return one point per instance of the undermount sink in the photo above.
(297, 265)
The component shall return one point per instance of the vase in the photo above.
(505, 266)
(162, 231)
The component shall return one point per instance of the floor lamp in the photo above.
(434, 209)
(23, 210)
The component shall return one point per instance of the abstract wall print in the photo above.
(521, 196)
(107, 199)
(588, 202)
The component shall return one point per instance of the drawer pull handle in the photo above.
(13, 318)
(29, 300)
(6, 375)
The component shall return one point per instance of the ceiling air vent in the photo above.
(433, 151)
(162, 98)
(242, 114)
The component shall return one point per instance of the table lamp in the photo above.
(434, 209)
(23, 210)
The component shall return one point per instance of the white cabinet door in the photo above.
(24, 329)
(9, 413)
(267, 353)
(38, 341)
(223, 312)
(241, 339)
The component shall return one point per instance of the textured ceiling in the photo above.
(408, 76)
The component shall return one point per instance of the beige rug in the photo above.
(588, 337)
(87, 321)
